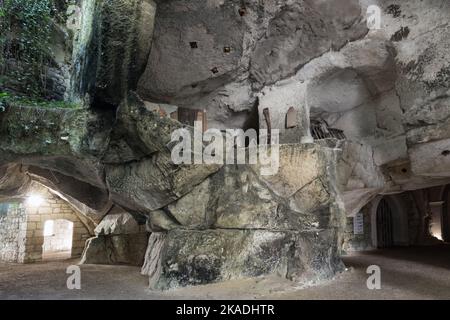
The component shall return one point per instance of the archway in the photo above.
(389, 222)
(58, 236)
(385, 225)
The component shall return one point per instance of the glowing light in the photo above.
(35, 200)
(437, 234)
(48, 228)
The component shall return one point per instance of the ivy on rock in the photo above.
(26, 28)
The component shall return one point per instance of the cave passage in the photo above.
(350, 112)
(384, 226)
(41, 227)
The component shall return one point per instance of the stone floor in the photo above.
(406, 273)
(57, 255)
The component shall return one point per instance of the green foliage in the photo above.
(25, 33)
(6, 99)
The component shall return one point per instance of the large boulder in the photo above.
(140, 173)
(184, 258)
(239, 223)
(128, 249)
(118, 221)
(119, 239)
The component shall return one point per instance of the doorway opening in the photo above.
(385, 225)
(445, 219)
(58, 236)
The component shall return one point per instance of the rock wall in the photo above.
(111, 47)
(239, 224)
(358, 242)
(400, 133)
(12, 232)
(386, 89)
(51, 209)
(119, 239)
(195, 64)
(45, 71)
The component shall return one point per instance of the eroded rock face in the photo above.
(200, 257)
(119, 239)
(128, 249)
(68, 146)
(195, 64)
(395, 122)
(240, 224)
(301, 31)
(118, 221)
(247, 65)
(111, 48)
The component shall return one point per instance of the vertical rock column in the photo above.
(111, 48)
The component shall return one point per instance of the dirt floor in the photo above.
(406, 273)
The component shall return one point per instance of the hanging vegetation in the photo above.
(25, 33)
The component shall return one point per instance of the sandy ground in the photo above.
(406, 273)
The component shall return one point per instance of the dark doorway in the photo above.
(445, 223)
(385, 230)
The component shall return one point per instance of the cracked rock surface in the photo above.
(386, 90)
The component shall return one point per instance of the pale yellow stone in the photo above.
(44, 210)
(34, 218)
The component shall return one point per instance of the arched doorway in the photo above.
(385, 225)
(58, 236)
(389, 222)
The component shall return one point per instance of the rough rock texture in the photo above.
(194, 63)
(387, 88)
(147, 179)
(118, 221)
(240, 224)
(57, 146)
(242, 62)
(126, 249)
(119, 240)
(201, 257)
(408, 137)
(13, 221)
(111, 48)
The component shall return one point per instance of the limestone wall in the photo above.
(52, 209)
(119, 239)
(358, 242)
(12, 232)
(239, 223)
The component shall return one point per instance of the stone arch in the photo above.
(400, 220)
